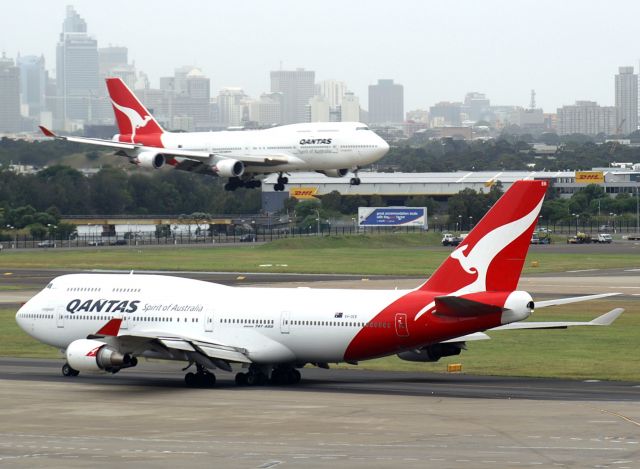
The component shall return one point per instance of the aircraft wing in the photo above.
(199, 156)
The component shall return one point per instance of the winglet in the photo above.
(607, 318)
(47, 132)
(111, 328)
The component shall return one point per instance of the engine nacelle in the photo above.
(228, 168)
(93, 355)
(149, 159)
(335, 173)
(432, 353)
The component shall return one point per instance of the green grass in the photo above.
(14, 342)
(606, 353)
(411, 254)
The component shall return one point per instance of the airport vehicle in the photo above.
(118, 242)
(105, 322)
(248, 238)
(331, 148)
(96, 242)
(47, 244)
(579, 238)
(540, 238)
(604, 238)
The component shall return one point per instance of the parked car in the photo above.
(535, 239)
(47, 244)
(248, 238)
(118, 242)
(96, 242)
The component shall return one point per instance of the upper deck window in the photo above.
(362, 128)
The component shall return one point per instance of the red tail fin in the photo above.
(492, 255)
(135, 122)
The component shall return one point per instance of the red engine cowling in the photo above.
(93, 355)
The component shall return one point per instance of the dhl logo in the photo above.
(303, 192)
(589, 177)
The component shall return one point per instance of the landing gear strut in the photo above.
(202, 378)
(68, 371)
(282, 180)
(355, 180)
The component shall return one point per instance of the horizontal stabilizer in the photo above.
(456, 306)
(604, 320)
(574, 299)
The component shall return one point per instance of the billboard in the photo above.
(303, 192)
(392, 216)
(589, 177)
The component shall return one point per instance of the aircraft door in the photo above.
(208, 321)
(402, 330)
(285, 322)
(60, 316)
(125, 321)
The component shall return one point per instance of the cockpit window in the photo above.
(50, 285)
(362, 128)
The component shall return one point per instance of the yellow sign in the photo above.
(303, 192)
(589, 177)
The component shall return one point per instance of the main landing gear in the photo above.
(257, 376)
(355, 180)
(236, 182)
(282, 180)
(202, 378)
(68, 371)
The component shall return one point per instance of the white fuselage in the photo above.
(274, 325)
(308, 147)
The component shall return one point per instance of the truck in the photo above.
(579, 238)
(604, 238)
(449, 239)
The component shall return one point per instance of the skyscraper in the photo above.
(33, 83)
(297, 87)
(386, 102)
(626, 100)
(77, 69)
(332, 91)
(586, 117)
(10, 118)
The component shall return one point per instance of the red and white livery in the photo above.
(104, 322)
(331, 148)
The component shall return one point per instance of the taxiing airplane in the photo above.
(331, 148)
(105, 322)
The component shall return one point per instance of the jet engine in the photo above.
(228, 168)
(335, 173)
(93, 355)
(432, 353)
(149, 159)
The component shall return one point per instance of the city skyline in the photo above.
(528, 46)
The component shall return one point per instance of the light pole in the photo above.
(318, 221)
(459, 223)
(470, 222)
(577, 215)
(637, 211)
(15, 236)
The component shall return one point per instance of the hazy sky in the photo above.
(566, 50)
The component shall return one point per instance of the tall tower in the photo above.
(297, 87)
(386, 102)
(33, 83)
(77, 69)
(626, 100)
(10, 118)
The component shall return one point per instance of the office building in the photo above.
(587, 117)
(297, 88)
(350, 108)
(386, 102)
(446, 114)
(332, 91)
(10, 117)
(33, 83)
(230, 106)
(77, 74)
(626, 101)
(319, 109)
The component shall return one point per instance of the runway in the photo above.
(344, 418)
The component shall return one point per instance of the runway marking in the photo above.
(630, 420)
(567, 448)
(632, 270)
(581, 270)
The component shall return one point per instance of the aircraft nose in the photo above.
(383, 147)
(20, 317)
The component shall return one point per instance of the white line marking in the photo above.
(581, 270)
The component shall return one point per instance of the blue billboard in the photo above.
(392, 216)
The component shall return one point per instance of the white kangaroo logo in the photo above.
(135, 120)
(477, 260)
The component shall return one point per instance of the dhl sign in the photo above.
(589, 177)
(303, 192)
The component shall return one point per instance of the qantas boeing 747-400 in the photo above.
(105, 322)
(330, 148)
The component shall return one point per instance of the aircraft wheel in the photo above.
(191, 380)
(296, 376)
(354, 181)
(209, 380)
(68, 371)
(241, 379)
(279, 187)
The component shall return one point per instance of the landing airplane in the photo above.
(105, 322)
(330, 148)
